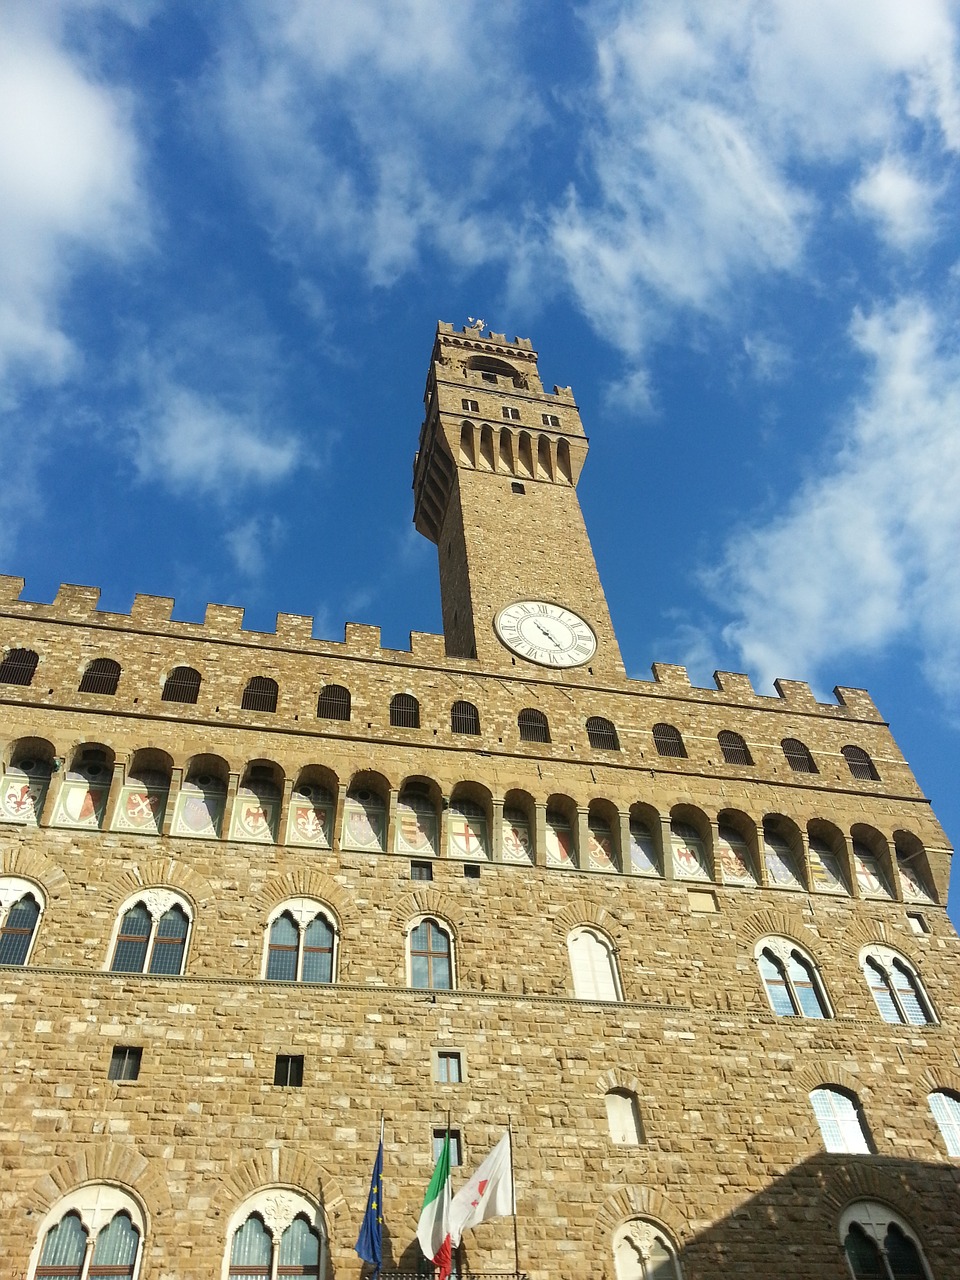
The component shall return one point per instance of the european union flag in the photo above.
(370, 1240)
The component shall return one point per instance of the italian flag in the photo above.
(433, 1229)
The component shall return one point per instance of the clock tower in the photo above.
(495, 488)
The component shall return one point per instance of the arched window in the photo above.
(364, 820)
(879, 1245)
(533, 725)
(101, 676)
(181, 685)
(202, 799)
(21, 905)
(871, 876)
(333, 703)
(464, 718)
(946, 1111)
(689, 852)
(301, 943)
(593, 965)
(735, 857)
(623, 1117)
(404, 711)
(517, 838)
(602, 734)
(310, 814)
(256, 810)
(260, 694)
(602, 852)
(82, 801)
(23, 787)
(467, 830)
(860, 764)
(277, 1232)
(911, 863)
(101, 1215)
(825, 868)
(560, 840)
(416, 833)
(152, 935)
(143, 797)
(841, 1121)
(430, 954)
(896, 987)
(790, 980)
(18, 666)
(644, 854)
(642, 1250)
(783, 870)
(798, 756)
(734, 747)
(668, 741)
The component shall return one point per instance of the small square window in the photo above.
(288, 1071)
(471, 871)
(917, 922)
(449, 1066)
(702, 901)
(421, 870)
(488, 377)
(470, 406)
(125, 1062)
(550, 420)
(517, 487)
(438, 1137)
(508, 411)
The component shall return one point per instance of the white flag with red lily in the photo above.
(433, 1229)
(488, 1194)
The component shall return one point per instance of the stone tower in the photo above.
(495, 488)
(259, 889)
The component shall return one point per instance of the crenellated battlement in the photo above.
(74, 604)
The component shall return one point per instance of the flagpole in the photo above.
(376, 1273)
(513, 1199)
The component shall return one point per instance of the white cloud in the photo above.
(901, 203)
(250, 542)
(769, 359)
(191, 443)
(866, 552)
(720, 132)
(369, 129)
(68, 184)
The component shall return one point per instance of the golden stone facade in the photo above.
(621, 910)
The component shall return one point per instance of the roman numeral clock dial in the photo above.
(545, 633)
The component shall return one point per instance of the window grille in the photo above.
(181, 685)
(260, 694)
(333, 703)
(101, 676)
(860, 764)
(404, 711)
(288, 1070)
(456, 1154)
(464, 718)
(734, 748)
(421, 871)
(668, 741)
(510, 413)
(602, 734)
(798, 756)
(533, 726)
(125, 1062)
(470, 406)
(550, 420)
(18, 666)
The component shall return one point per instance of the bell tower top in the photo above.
(495, 488)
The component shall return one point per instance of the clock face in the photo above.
(545, 633)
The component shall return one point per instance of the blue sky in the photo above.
(227, 231)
